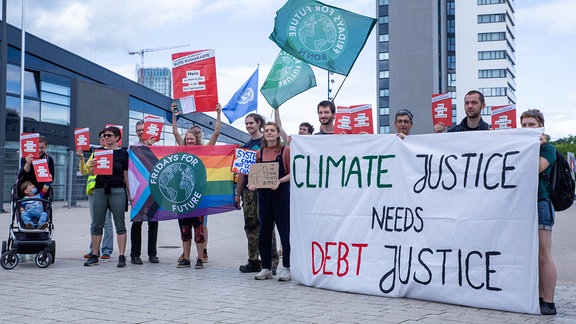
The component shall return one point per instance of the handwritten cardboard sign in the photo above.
(263, 175)
(41, 170)
(243, 158)
(29, 144)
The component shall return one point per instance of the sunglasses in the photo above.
(106, 135)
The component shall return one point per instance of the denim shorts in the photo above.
(545, 215)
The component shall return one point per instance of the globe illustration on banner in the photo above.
(318, 33)
(176, 182)
(283, 67)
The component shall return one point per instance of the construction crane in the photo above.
(146, 50)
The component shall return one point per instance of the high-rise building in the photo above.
(158, 79)
(437, 46)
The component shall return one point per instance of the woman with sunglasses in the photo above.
(111, 192)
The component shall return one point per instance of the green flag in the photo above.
(288, 77)
(325, 36)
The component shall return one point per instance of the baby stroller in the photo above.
(28, 241)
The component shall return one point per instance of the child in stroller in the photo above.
(32, 210)
(25, 240)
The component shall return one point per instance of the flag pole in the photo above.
(341, 84)
(22, 69)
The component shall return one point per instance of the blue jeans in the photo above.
(545, 215)
(34, 216)
(108, 237)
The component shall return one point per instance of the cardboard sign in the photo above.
(442, 108)
(185, 105)
(103, 162)
(263, 175)
(121, 132)
(354, 120)
(504, 117)
(194, 77)
(82, 138)
(152, 127)
(243, 158)
(41, 170)
(29, 144)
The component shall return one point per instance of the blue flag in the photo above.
(244, 100)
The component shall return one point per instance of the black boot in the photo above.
(251, 266)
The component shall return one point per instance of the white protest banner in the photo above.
(446, 217)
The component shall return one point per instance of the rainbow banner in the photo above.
(168, 182)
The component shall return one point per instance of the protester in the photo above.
(274, 204)
(32, 211)
(108, 238)
(533, 118)
(136, 228)
(403, 122)
(254, 126)
(326, 115)
(194, 137)
(113, 192)
(26, 169)
(473, 105)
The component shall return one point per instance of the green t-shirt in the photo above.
(548, 152)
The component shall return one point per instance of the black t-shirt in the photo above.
(116, 180)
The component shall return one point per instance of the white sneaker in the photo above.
(264, 274)
(284, 275)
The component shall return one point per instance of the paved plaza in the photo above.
(160, 293)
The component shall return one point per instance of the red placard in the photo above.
(442, 108)
(194, 75)
(103, 161)
(29, 143)
(152, 127)
(82, 138)
(41, 170)
(121, 132)
(504, 117)
(354, 120)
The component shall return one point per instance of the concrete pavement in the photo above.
(157, 293)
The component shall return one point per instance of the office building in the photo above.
(158, 79)
(438, 46)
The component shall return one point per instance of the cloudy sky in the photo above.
(104, 31)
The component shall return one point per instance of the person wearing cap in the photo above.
(403, 122)
(473, 105)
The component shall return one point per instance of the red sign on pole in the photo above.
(354, 120)
(194, 78)
(29, 143)
(103, 162)
(442, 108)
(41, 170)
(152, 127)
(504, 117)
(82, 138)
(121, 132)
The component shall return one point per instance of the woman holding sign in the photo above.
(193, 137)
(110, 192)
(533, 118)
(274, 203)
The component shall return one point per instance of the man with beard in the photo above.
(326, 112)
(473, 105)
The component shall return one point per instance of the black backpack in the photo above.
(561, 184)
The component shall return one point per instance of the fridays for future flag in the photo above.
(168, 182)
(244, 100)
(288, 77)
(325, 36)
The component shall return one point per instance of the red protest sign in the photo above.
(194, 76)
(41, 170)
(442, 109)
(354, 120)
(503, 117)
(102, 162)
(121, 132)
(152, 127)
(29, 144)
(82, 138)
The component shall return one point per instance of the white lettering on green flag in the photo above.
(288, 77)
(325, 36)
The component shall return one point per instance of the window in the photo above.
(55, 106)
(382, 2)
(451, 26)
(451, 79)
(383, 56)
(493, 92)
(384, 129)
(491, 55)
(383, 20)
(55, 114)
(452, 62)
(490, 37)
(384, 111)
(384, 92)
(384, 74)
(493, 73)
(491, 18)
(383, 38)
(13, 81)
(489, 2)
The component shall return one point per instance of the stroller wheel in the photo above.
(9, 260)
(4, 247)
(43, 259)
